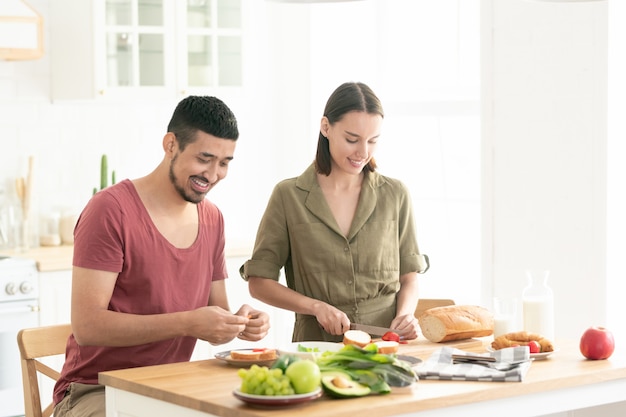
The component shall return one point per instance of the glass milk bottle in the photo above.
(538, 305)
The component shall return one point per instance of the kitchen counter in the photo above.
(59, 258)
(565, 381)
(48, 258)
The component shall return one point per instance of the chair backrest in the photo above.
(425, 303)
(37, 343)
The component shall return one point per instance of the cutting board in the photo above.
(422, 347)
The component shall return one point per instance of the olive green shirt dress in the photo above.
(359, 273)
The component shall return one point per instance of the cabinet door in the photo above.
(145, 48)
(55, 290)
(210, 44)
(135, 43)
(55, 297)
(111, 48)
(73, 49)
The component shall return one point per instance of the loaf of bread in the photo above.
(455, 322)
(253, 354)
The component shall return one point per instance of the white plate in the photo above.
(277, 400)
(542, 355)
(315, 349)
(225, 356)
(534, 356)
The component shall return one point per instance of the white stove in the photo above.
(19, 309)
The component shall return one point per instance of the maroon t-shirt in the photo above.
(115, 233)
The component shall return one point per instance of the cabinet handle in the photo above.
(24, 309)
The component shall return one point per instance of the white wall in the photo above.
(422, 59)
(431, 139)
(428, 82)
(545, 153)
(616, 231)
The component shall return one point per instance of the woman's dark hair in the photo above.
(208, 114)
(351, 96)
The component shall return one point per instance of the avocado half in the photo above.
(340, 385)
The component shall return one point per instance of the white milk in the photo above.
(503, 324)
(539, 316)
(504, 316)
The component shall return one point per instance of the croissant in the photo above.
(521, 339)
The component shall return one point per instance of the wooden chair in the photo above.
(425, 303)
(37, 343)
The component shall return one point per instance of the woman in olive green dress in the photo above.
(343, 233)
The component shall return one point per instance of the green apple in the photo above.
(304, 375)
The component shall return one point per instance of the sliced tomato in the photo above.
(391, 336)
(534, 346)
(259, 349)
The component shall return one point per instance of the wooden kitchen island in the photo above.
(565, 381)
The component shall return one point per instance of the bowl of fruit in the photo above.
(290, 380)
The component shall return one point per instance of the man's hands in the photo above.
(218, 326)
(258, 323)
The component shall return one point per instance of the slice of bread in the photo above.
(268, 354)
(356, 337)
(245, 355)
(387, 346)
(253, 354)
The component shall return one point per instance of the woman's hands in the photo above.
(405, 322)
(406, 326)
(331, 319)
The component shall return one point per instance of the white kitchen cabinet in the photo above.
(161, 49)
(55, 288)
(55, 296)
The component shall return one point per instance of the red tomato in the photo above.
(534, 346)
(391, 336)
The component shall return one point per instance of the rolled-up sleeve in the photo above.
(271, 248)
(410, 258)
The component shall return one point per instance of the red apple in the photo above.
(597, 343)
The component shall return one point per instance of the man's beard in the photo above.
(194, 198)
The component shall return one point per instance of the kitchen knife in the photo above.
(472, 358)
(372, 330)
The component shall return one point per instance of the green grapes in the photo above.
(261, 380)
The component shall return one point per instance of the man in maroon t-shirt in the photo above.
(149, 268)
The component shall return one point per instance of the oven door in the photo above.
(14, 316)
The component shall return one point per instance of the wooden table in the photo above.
(565, 381)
